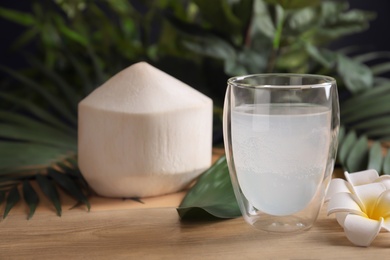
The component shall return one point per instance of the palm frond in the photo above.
(31, 198)
(13, 197)
(37, 138)
(39, 112)
(56, 103)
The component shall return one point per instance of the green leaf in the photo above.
(325, 57)
(49, 189)
(31, 198)
(368, 110)
(262, 24)
(81, 71)
(386, 163)
(375, 158)
(248, 61)
(295, 4)
(97, 65)
(220, 15)
(42, 135)
(67, 91)
(357, 157)
(211, 46)
(370, 56)
(25, 19)
(346, 146)
(280, 17)
(38, 112)
(15, 156)
(381, 68)
(13, 197)
(70, 33)
(234, 63)
(341, 134)
(336, 20)
(55, 102)
(212, 196)
(374, 123)
(20, 120)
(25, 38)
(301, 20)
(243, 10)
(69, 186)
(366, 98)
(356, 76)
(383, 131)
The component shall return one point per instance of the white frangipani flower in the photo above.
(361, 205)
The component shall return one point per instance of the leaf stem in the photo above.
(280, 17)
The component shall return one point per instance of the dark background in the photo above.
(376, 38)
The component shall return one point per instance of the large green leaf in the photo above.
(212, 195)
(356, 76)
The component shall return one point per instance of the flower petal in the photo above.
(362, 177)
(385, 179)
(368, 195)
(340, 217)
(360, 230)
(345, 202)
(386, 224)
(382, 206)
(336, 186)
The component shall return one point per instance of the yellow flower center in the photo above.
(381, 207)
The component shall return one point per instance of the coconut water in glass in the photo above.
(280, 133)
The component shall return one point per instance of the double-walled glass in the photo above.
(280, 134)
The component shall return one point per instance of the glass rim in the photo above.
(234, 81)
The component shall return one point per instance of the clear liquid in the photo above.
(280, 154)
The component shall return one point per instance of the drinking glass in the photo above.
(280, 135)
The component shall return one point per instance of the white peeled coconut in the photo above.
(143, 133)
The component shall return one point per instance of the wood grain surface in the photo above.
(158, 233)
(126, 229)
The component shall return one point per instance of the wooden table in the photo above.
(125, 229)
